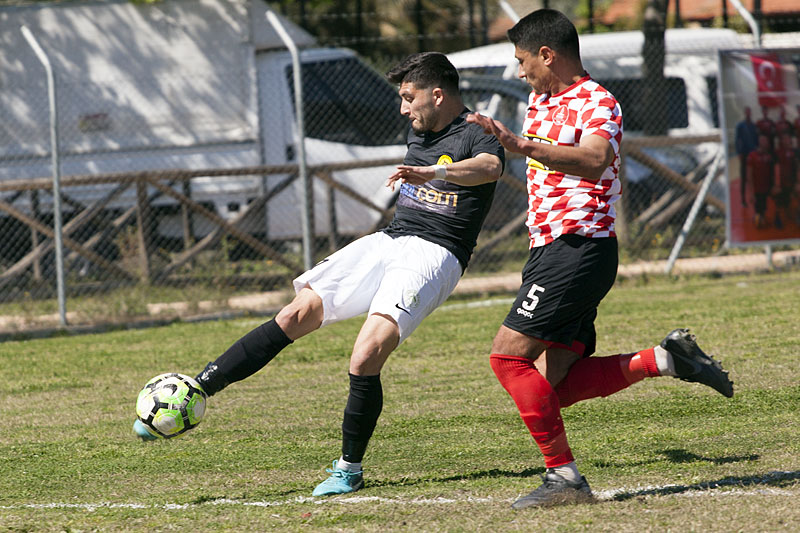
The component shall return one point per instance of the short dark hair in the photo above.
(425, 70)
(546, 27)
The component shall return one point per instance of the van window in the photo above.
(636, 112)
(345, 101)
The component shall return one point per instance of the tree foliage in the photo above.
(387, 30)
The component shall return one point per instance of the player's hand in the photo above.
(411, 175)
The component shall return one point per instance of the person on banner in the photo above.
(761, 167)
(746, 142)
(766, 127)
(797, 125)
(783, 125)
(787, 168)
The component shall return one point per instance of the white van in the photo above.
(193, 84)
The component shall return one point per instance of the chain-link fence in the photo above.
(181, 167)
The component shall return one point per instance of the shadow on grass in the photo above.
(772, 479)
(408, 481)
(481, 474)
(682, 456)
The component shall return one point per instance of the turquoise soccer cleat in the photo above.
(339, 482)
(141, 431)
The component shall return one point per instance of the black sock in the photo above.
(244, 358)
(360, 415)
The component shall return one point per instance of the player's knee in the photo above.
(500, 344)
(366, 363)
(303, 315)
(506, 368)
(510, 342)
(369, 356)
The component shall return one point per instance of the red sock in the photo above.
(602, 376)
(538, 406)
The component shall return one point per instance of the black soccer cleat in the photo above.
(692, 364)
(555, 490)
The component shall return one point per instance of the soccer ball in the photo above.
(171, 404)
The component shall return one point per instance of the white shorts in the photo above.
(405, 278)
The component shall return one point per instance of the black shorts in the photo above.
(562, 285)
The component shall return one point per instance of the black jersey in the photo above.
(438, 211)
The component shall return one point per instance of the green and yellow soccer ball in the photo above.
(171, 404)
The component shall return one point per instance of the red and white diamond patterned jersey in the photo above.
(561, 203)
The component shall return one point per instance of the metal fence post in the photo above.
(693, 212)
(308, 203)
(144, 224)
(748, 17)
(51, 94)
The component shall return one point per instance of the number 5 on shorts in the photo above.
(530, 306)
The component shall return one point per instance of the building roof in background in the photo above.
(696, 9)
(691, 10)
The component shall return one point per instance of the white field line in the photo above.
(244, 503)
(724, 488)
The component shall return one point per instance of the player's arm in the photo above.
(588, 160)
(483, 168)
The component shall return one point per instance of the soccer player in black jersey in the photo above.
(398, 275)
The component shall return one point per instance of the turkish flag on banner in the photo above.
(769, 79)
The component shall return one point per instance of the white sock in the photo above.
(569, 472)
(664, 362)
(349, 467)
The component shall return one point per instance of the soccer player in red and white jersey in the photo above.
(572, 134)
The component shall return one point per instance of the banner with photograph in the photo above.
(759, 99)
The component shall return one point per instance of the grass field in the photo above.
(450, 452)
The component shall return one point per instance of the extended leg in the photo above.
(593, 377)
(677, 356)
(252, 352)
